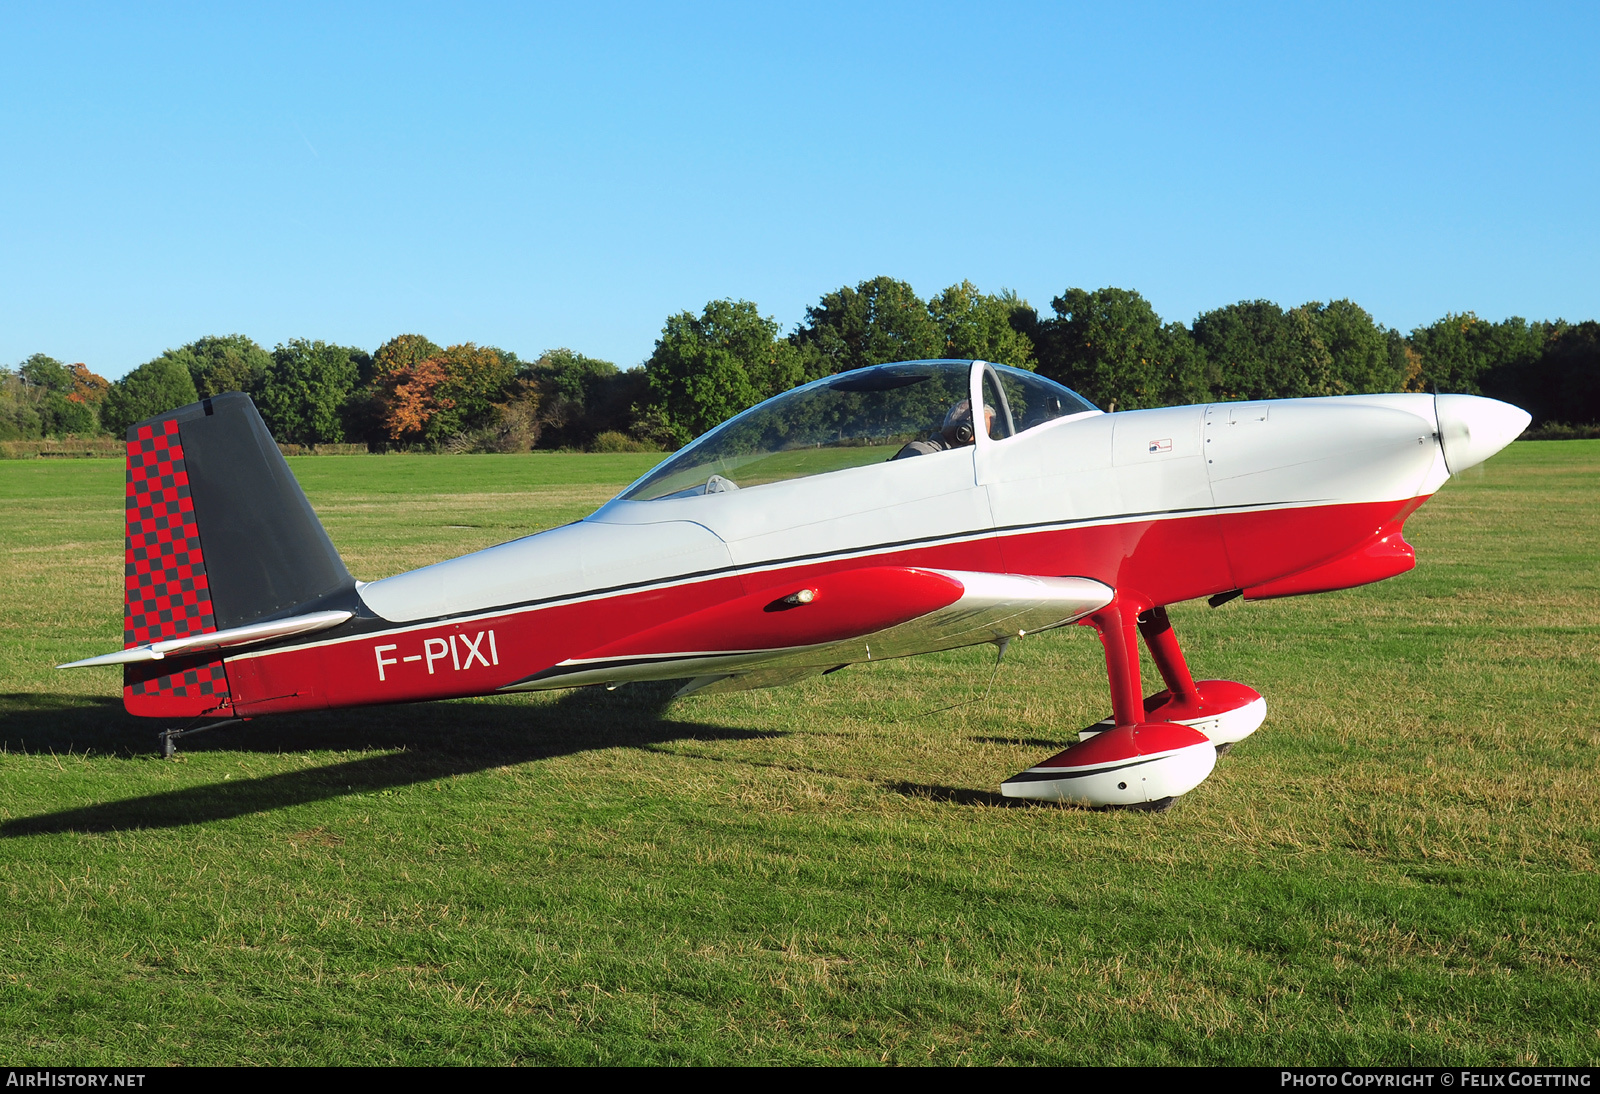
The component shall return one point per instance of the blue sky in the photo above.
(536, 176)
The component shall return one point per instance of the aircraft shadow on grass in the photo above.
(418, 743)
(962, 795)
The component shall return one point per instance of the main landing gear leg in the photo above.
(168, 737)
(1122, 663)
(1224, 711)
(1157, 631)
(1141, 762)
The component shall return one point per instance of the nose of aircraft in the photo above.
(1472, 428)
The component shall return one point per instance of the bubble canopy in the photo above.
(870, 415)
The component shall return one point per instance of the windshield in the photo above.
(870, 415)
(1033, 400)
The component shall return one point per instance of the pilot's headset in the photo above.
(960, 417)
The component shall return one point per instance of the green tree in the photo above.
(1458, 351)
(60, 414)
(153, 388)
(1450, 353)
(403, 351)
(476, 378)
(1366, 356)
(46, 372)
(877, 321)
(1256, 350)
(709, 367)
(19, 413)
(224, 362)
(570, 375)
(1112, 347)
(49, 387)
(581, 397)
(302, 394)
(1572, 360)
(1560, 382)
(984, 326)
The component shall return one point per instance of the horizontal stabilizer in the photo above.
(251, 634)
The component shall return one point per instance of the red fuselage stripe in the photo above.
(1158, 561)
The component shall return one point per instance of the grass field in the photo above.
(1400, 867)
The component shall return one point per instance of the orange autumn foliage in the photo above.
(411, 397)
(87, 387)
(437, 397)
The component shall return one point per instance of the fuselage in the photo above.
(1268, 498)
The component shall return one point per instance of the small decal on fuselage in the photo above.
(462, 652)
(1163, 445)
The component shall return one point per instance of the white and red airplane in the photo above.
(858, 518)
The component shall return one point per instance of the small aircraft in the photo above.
(866, 516)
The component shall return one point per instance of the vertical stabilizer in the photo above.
(219, 534)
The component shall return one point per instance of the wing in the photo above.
(782, 634)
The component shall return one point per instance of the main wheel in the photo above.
(1127, 766)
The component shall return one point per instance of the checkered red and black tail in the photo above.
(219, 534)
(165, 593)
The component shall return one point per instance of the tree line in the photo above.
(1109, 344)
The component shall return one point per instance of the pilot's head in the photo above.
(957, 428)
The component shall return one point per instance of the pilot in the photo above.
(956, 432)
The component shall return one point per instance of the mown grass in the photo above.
(1399, 867)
